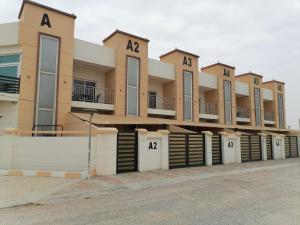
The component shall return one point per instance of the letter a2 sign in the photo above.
(153, 144)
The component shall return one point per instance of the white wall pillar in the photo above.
(230, 146)
(165, 148)
(263, 146)
(153, 150)
(106, 152)
(278, 149)
(208, 147)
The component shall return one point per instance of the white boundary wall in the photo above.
(231, 147)
(60, 154)
(153, 150)
(278, 146)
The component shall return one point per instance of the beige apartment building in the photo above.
(48, 78)
(139, 113)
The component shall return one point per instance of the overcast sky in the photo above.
(262, 36)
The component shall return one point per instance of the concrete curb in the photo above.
(26, 173)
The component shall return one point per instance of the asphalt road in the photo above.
(252, 193)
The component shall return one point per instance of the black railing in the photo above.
(208, 108)
(270, 116)
(92, 94)
(243, 113)
(158, 102)
(9, 84)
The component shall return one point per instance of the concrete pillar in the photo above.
(106, 151)
(278, 149)
(165, 148)
(230, 146)
(263, 142)
(153, 150)
(208, 147)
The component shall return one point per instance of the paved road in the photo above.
(252, 193)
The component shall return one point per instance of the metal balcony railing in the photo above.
(92, 94)
(242, 112)
(270, 116)
(158, 102)
(9, 84)
(208, 108)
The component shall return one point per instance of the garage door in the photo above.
(269, 147)
(127, 152)
(216, 150)
(291, 146)
(186, 150)
(250, 148)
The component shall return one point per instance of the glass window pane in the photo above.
(227, 101)
(133, 72)
(10, 71)
(49, 55)
(45, 117)
(78, 82)
(132, 98)
(188, 83)
(47, 91)
(9, 58)
(187, 108)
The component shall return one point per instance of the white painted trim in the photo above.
(91, 105)
(269, 122)
(244, 120)
(208, 116)
(161, 112)
(7, 97)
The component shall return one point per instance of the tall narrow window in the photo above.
(257, 106)
(47, 81)
(133, 76)
(281, 110)
(188, 95)
(227, 102)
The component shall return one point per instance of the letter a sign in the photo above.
(46, 21)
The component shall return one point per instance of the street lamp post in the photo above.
(92, 112)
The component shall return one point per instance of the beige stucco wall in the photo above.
(218, 70)
(89, 73)
(118, 77)
(157, 86)
(29, 30)
(177, 58)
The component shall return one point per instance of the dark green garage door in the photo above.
(250, 148)
(291, 146)
(186, 150)
(127, 152)
(269, 147)
(216, 150)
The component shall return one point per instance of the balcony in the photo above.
(163, 106)
(269, 118)
(208, 111)
(9, 88)
(92, 97)
(243, 115)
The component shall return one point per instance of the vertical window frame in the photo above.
(257, 98)
(192, 95)
(39, 72)
(137, 88)
(230, 94)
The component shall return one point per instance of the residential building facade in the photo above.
(47, 76)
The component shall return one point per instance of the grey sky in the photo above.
(262, 36)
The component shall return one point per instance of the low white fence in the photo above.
(69, 154)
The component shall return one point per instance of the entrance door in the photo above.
(127, 152)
